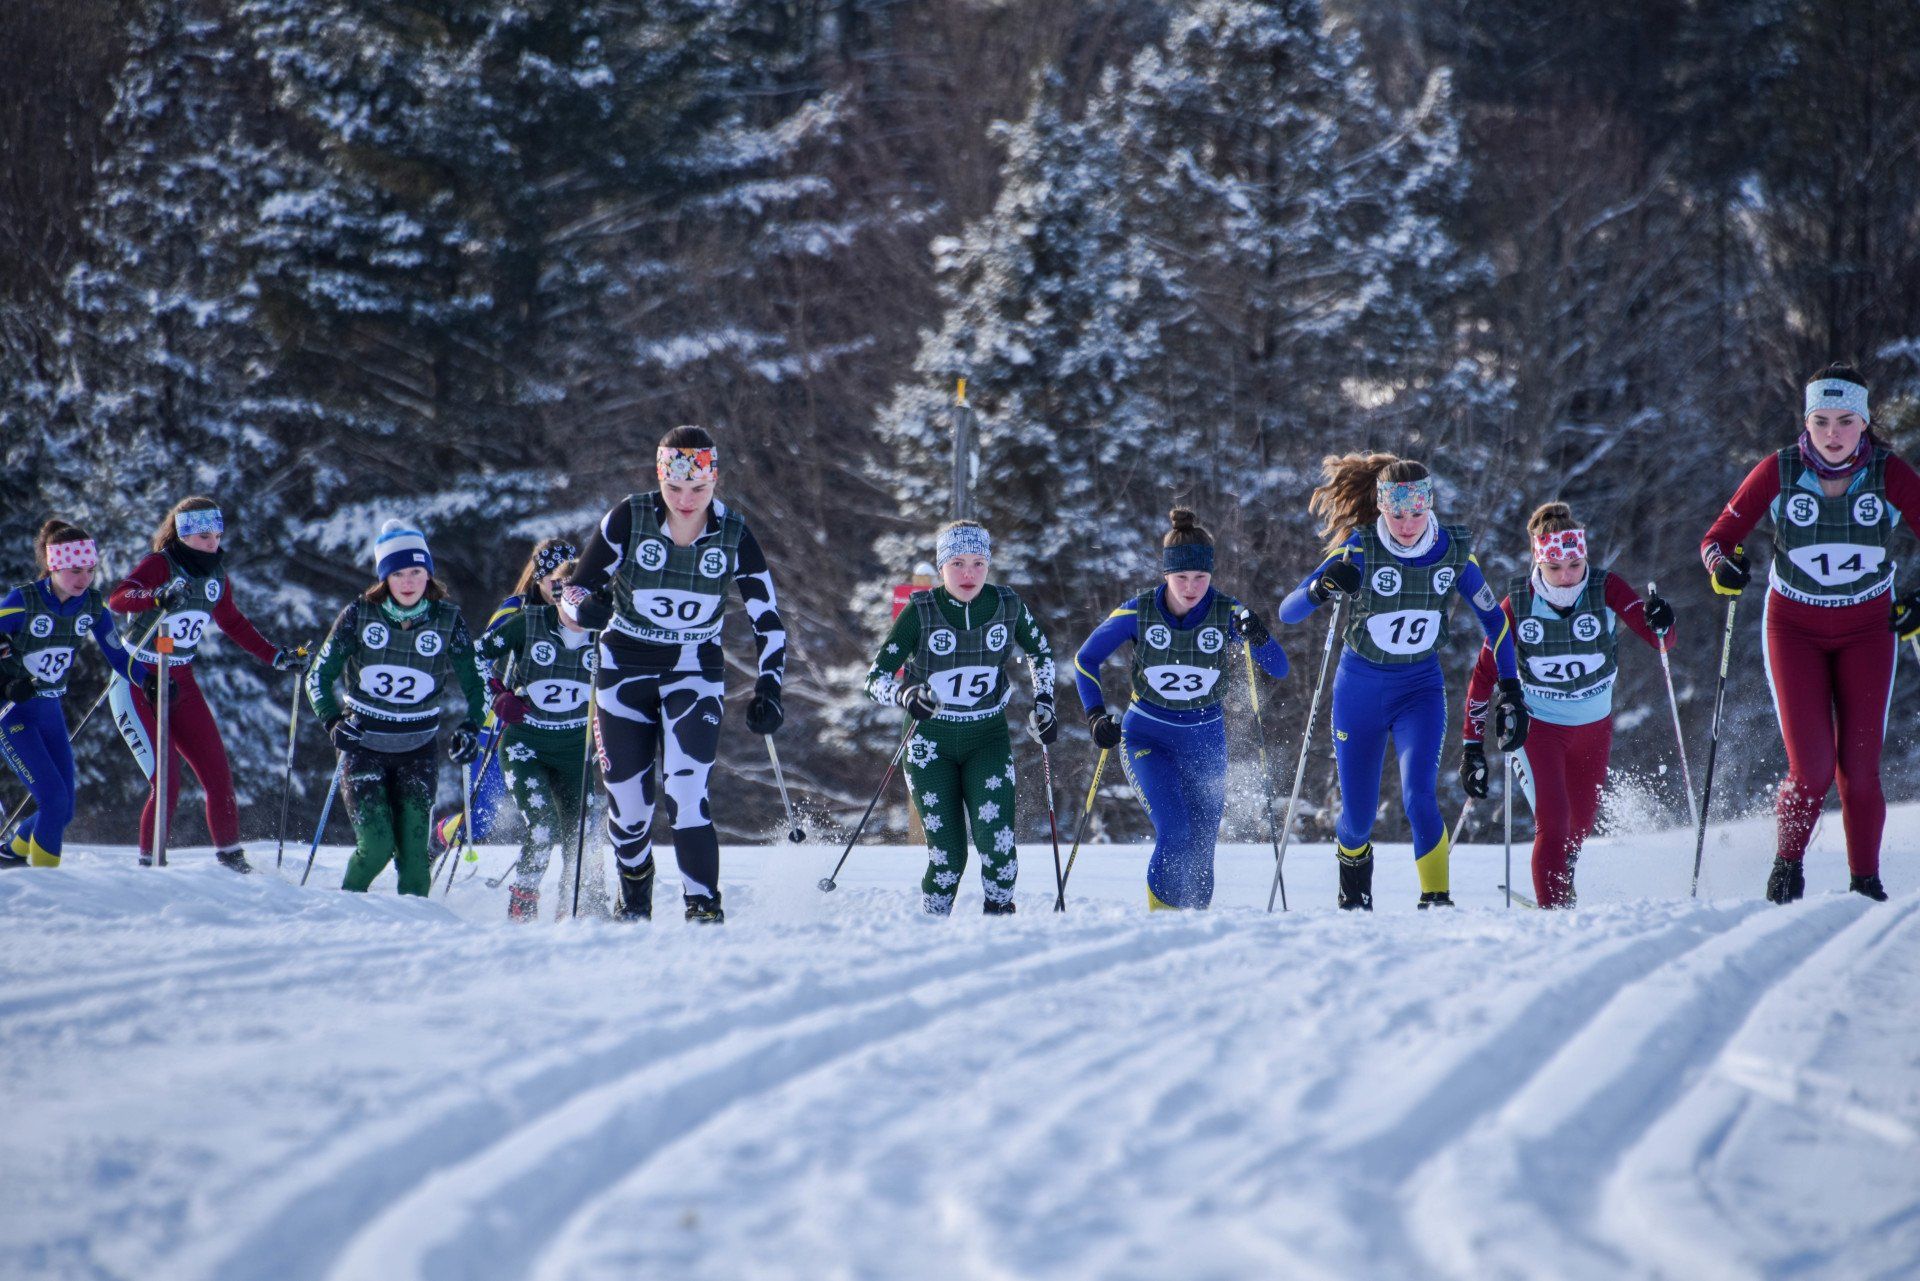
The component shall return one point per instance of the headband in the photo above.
(547, 562)
(1403, 498)
(1837, 393)
(1187, 558)
(702, 463)
(78, 554)
(201, 520)
(1561, 547)
(962, 540)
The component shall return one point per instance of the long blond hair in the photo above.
(1345, 501)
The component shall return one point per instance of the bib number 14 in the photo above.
(1837, 564)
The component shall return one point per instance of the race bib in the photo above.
(391, 683)
(1837, 564)
(1177, 681)
(558, 697)
(963, 687)
(187, 627)
(1406, 631)
(676, 611)
(48, 666)
(1563, 669)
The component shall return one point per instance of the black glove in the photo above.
(1106, 731)
(919, 700)
(150, 683)
(1906, 616)
(1342, 576)
(764, 713)
(172, 595)
(592, 610)
(1659, 614)
(1473, 771)
(344, 733)
(1251, 627)
(20, 689)
(463, 745)
(1731, 574)
(290, 660)
(1510, 717)
(1042, 725)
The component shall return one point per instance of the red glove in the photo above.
(508, 707)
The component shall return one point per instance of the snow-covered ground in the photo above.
(208, 1076)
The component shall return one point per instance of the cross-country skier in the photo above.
(653, 583)
(396, 648)
(41, 626)
(1835, 496)
(955, 641)
(1564, 618)
(184, 578)
(1173, 735)
(543, 680)
(1400, 567)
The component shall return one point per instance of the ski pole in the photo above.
(162, 742)
(829, 883)
(1306, 741)
(1080, 831)
(1713, 743)
(1673, 702)
(1506, 819)
(333, 789)
(1053, 829)
(586, 794)
(286, 786)
(1266, 773)
(452, 856)
(795, 833)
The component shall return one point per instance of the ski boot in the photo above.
(1787, 882)
(1356, 878)
(146, 859)
(234, 860)
(1435, 898)
(991, 907)
(636, 894)
(704, 909)
(1869, 886)
(523, 904)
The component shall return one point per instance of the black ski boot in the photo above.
(636, 894)
(991, 908)
(1787, 882)
(146, 859)
(1356, 879)
(1869, 886)
(704, 909)
(1435, 898)
(234, 860)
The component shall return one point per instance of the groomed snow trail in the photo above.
(235, 1078)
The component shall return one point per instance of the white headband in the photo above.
(1837, 393)
(963, 540)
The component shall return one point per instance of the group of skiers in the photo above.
(614, 651)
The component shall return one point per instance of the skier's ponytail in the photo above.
(1345, 502)
(1550, 518)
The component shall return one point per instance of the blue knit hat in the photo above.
(399, 547)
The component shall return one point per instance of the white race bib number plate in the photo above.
(676, 611)
(187, 627)
(963, 687)
(1563, 669)
(394, 684)
(1174, 680)
(49, 665)
(556, 697)
(1838, 564)
(1406, 631)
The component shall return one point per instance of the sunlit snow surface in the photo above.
(214, 1077)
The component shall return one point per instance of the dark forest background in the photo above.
(464, 262)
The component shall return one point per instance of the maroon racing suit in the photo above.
(1830, 646)
(191, 730)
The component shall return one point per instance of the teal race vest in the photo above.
(1832, 551)
(1179, 668)
(1401, 614)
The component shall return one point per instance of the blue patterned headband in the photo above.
(1403, 498)
(1187, 559)
(962, 540)
(203, 520)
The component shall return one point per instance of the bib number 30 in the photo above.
(674, 611)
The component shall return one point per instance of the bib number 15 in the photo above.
(963, 686)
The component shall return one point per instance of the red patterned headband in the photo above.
(80, 553)
(1558, 549)
(686, 464)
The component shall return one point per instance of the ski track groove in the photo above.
(1627, 1066)
(559, 1159)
